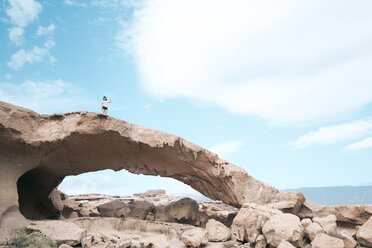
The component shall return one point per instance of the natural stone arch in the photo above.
(42, 149)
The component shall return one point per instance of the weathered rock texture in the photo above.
(364, 233)
(38, 151)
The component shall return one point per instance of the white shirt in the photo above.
(104, 103)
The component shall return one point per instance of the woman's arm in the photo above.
(110, 100)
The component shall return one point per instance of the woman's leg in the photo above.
(103, 111)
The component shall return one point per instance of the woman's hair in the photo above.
(104, 98)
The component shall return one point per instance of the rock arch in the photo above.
(38, 151)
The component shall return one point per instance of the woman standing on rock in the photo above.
(104, 105)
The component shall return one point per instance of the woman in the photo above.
(104, 105)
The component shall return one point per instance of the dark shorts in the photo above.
(105, 108)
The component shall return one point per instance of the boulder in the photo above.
(217, 232)
(57, 197)
(248, 223)
(348, 215)
(311, 210)
(285, 244)
(288, 202)
(260, 242)
(93, 240)
(283, 227)
(328, 223)
(305, 222)
(312, 230)
(348, 239)
(184, 211)
(217, 210)
(195, 237)
(364, 233)
(131, 209)
(61, 231)
(84, 212)
(325, 241)
(353, 214)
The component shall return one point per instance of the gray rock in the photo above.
(131, 209)
(185, 211)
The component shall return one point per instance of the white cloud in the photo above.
(49, 44)
(21, 12)
(114, 4)
(16, 35)
(335, 133)
(75, 3)
(45, 96)
(363, 144)
(8, 76)
(41, 31)
(287, 61)
(225, 149)
(36, 54)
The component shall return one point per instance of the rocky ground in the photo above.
(154, 219)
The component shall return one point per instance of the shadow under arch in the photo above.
(34, 188)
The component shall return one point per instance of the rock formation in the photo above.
(38, 151)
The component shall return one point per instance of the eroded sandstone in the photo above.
(38, 151)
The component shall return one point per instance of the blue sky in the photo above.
(281, 89)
